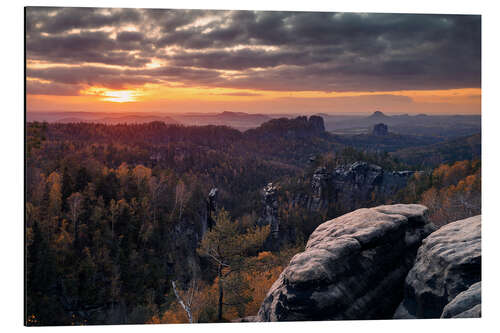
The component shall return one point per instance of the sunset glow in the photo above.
(145, 60)
(120, 96)
(116, 96)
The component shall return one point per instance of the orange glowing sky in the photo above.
(172, 61)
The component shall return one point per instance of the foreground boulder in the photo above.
(353, 267)
(467, 304)
(443, 281)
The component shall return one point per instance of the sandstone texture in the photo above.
(467, 304)
(354, 185)
(444, 281)
(353, 267)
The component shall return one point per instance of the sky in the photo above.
(175, 61)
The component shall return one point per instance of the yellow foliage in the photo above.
(456, 193)
(122, 172)
(264, 255)
(142, 173)
(55, 198)
(260, 282)
(174, 315)
(54, 178)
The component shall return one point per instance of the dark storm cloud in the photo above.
(58, 20)
(299, 50)
(169, 20)
(90, 76)
(114, 78)
(181, 73)
(95, 47)
(247, 58)
(130, 36)
(58, 89)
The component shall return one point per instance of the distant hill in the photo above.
(242, 116)
(72, 120)
(378, 116)
(290, 128)
(440, 127)
(97, 117)
(445, 127)
(238, 120)
(465, 148)
(61, 116)
(136, 120)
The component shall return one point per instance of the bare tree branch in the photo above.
(186, 308)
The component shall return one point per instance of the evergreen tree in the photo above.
(228, 250)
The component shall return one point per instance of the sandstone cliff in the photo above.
(448, 263)
(349, 265)
(363, 264)
(354, 185)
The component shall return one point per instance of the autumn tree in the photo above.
(228, 250)
(454, 192)
(75, 202)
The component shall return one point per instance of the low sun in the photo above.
(120, 96)
(116, 96)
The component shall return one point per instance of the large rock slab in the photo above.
(353, 267)
(448, 263)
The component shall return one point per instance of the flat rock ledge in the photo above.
(445, 280)
(353, 267)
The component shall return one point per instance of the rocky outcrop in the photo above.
(378, 115)
(349, 265)
(296, 128)
(269, 214)
(467, 304)
(211, 208)
(320, 185)
(448, 263)
(354, 185)
(317, 124)
(380, 130)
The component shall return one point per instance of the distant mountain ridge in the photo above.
(96, 117)
(378, 115)
(239, 120)
(439, 126)
(290, 128)
(442, 126)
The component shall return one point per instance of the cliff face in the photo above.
(349, 265)
(211, 210)
(269, 214)
(354, 185)
(345, 189)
